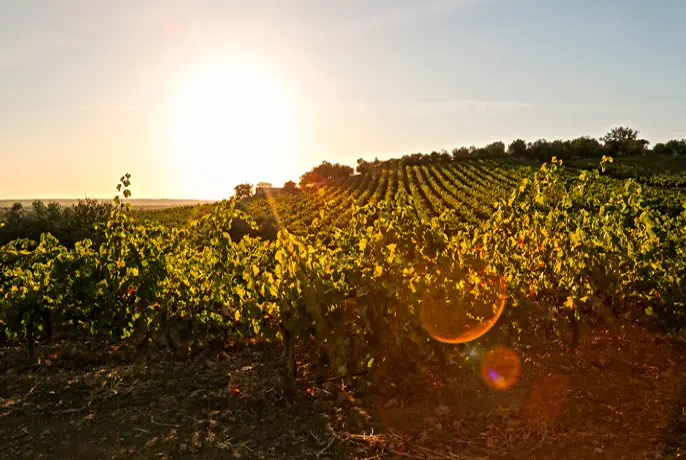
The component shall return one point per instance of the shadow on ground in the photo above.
(619, 396)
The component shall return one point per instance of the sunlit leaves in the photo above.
(360, 288)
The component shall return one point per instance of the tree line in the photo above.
(326, 172)
(619, 142)
(68, 224)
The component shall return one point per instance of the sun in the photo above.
(234, 123)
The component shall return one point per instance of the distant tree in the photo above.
(540, 149)
(620, 134)
(290, 186)
(641, 146)
(585, 147)
(325, 172)
(243, 191)
(661, 149)
(364, 166)
(15, 224)
(675, 147)
(479, 152)
(517, 148)
(560, 149)
(415, 159)
(461, 153)
(67, 224)
(495, 149)
(264, 185)
(623, 141)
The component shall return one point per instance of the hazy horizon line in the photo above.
(2, 200)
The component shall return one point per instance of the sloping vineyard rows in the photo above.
(469, 188)
(506, 169)
(425, 208)
(311, 204)
(489, 191)
(392, 188)
(361, 197)
(403, 196)
(467, 194)
(439, 194)
(372, 293)
(454, 195)
(656, 170)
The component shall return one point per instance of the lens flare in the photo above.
(468, 317)
(272, 205)
(501, 368)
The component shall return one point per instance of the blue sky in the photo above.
(89, 89)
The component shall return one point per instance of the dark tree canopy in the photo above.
(620, 134)
(325, 172)
(620, 141)
(290, 186)
(364, 166)
(673, 147)
(517, 148)
(243, 191)
(460, 153)
(68, 224)
(623, 141)
(495, 149)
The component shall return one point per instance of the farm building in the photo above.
(267, 190)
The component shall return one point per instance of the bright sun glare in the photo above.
(234, 124)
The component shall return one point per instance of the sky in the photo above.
(195, 96)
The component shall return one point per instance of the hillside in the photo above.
(479, 308)
(470, 188)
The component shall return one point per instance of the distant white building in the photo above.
(315, 185)
(259, 191)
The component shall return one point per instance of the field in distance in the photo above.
(140, 203)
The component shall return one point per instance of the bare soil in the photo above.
(618, 396)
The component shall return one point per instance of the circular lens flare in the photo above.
(501, 368)
(467, 317)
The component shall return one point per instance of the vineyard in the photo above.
(367, 281)
(469, 189)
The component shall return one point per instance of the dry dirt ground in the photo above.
(618, 396)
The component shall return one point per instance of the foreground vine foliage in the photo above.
(378, 293)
